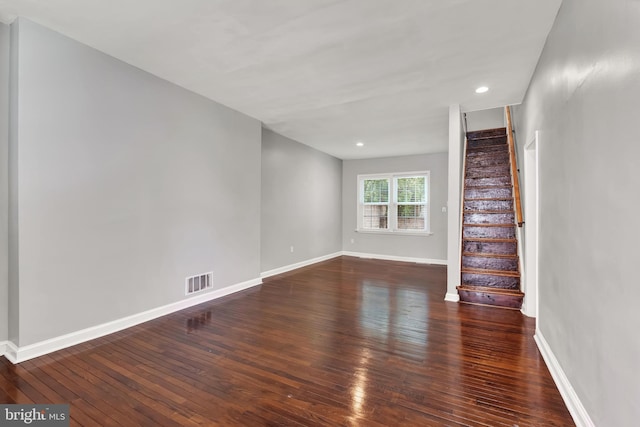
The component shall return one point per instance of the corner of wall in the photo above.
(5, 48)
(12, 182)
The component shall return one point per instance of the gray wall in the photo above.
(127, 184)
(431, 247)
(4, 180)
(485, 119)
(301, 202)
(584, 100)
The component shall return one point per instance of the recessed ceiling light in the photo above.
(482, 89)
(360, 144)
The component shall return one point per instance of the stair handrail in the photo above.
(514, 168)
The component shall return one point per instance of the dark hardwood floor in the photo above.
(344, 342)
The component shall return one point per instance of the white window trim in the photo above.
(393, 217)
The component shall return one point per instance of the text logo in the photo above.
(34, 415)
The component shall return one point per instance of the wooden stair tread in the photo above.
(488, 211)
(491, 187)
(485, 137)
(486, 133)
(471, 177)
(480, 166)
(490, 225)
(471, 165)
(504, 175)
(477, 166)
(488, 174)
(487, 171)
(482, 147)
(491, 289)
(506, 273)
(491, 199)
(488, 240)
(483, 185)
(486, 154)
(494, 158)
(492, 149)
(489, 255)
(488, 130)
(488, 290)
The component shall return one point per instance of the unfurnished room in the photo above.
(319, 213)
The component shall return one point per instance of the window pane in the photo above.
(376, 191)
(375, 217)
(411, 217)
(411, 189)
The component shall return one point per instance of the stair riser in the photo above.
(498, 248)
(489, 232)
(489, 218)
(487, 193)
(490, 281)
(488, 205)
(483, 172)
(483, 151)
(487, 263)
(476, 143)
(499, 181)
(487, 162)
(476, 297)
(486, 133)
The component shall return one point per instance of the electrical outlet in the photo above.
(353, 241)
(291, 249)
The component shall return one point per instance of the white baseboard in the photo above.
(452, 297)
(17, 354)
(571, 399)
(11, 352)
(300, 264)
(527, 312)
(20, 354)
(396, 258)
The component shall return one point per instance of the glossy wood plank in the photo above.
(344, 342)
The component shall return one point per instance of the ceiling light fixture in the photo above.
(360, 144)
(482, 89)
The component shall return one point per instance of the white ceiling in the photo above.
(326, 73)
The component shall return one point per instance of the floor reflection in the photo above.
(394, 314)
(198, 321)
(359, 387)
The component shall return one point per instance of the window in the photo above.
(394, 203)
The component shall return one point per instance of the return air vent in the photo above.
(198, 283)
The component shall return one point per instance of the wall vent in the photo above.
(198, 283)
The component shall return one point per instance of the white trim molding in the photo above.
(290, 267)
(17, 354)
(297, 265)
(452, 297)
(571, 399)
(396, 258)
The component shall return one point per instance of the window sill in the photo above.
(396, 232)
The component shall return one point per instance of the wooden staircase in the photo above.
(490, 264)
